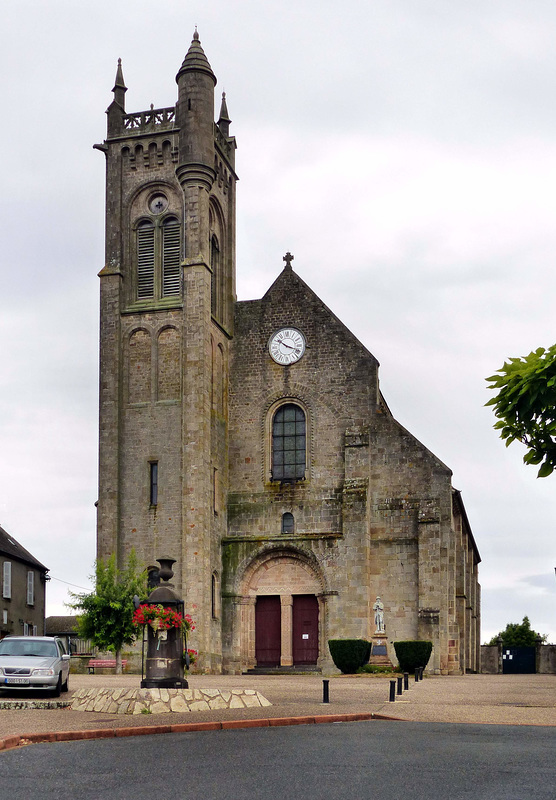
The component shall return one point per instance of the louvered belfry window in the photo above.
(158, 259)
(145, 260)
(289, 444)
(170, 257)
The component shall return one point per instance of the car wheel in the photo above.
(58, 690)
(65, 685)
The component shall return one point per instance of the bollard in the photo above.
(406, 681)
(392, 691)
(416, 674)
(400, 688)
(325, 693)
(421, 670)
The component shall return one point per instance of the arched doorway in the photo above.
(284, 623)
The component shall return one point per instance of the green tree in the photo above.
(518, 634)
(526, 406)
(107, 613)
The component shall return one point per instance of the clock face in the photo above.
(287, 346)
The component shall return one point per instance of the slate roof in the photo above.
(9, 547)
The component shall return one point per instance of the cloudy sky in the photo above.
(403, 150)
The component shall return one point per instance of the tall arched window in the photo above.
(215, 277)
(289, 444)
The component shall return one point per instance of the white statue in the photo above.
(378, 608)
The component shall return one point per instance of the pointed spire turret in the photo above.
(195, 60)
(195, 117)
(224, 119)
(119, 86)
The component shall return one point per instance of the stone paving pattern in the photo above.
(164, 701)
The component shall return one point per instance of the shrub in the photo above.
(374, 669)
(349, 654)
(412, 654)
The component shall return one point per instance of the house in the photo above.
(23, 585)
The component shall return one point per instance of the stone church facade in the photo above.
(250, 440)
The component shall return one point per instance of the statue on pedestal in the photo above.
(378, 608)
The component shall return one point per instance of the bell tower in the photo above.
(167, 304)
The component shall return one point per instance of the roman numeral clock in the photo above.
(286, 346)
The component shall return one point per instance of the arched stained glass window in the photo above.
(289, 444)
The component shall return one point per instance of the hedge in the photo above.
(349, 654)
(413, 654)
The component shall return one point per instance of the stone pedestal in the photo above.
(379, 650)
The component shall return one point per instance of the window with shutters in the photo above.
(7, 580)
(289, 449)
(158, 258)
(30, 588)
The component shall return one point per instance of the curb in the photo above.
(11, 742)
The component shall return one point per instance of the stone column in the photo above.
(286, 629)
(248, 632)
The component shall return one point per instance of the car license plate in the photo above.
(19, 681)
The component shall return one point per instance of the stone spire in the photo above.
(196, 60)
(224, 119)
(119, 86)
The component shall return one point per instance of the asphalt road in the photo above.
(349, 761)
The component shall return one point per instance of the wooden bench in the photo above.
(103, 663)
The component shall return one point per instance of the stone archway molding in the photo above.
(284, 572)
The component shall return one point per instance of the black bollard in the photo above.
(392, 691)
(421, 670)
(400, 688)
(325, 694)
(416, 674)
(406, 681)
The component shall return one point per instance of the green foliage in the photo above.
(349, 654)
(107, 613)
(526, 406)
(518, 634)
(412, 654)
(374, 669)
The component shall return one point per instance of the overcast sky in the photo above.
(403, 150)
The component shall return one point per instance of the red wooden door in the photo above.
(305, 629)
(267, 631)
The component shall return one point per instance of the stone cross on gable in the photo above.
(288, 258)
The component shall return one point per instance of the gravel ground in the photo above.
(500, 699)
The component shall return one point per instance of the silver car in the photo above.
(34, 662)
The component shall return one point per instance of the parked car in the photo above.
(34, 662)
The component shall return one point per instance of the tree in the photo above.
(108, 611)
(526, 406)
(518, 634)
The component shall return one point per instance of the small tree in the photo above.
(518, 634)
(107, 613)
(526, 406)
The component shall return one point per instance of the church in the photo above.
(249, 440)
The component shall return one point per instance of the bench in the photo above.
(103, 663)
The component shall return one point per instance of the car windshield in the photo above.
(17, 647)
